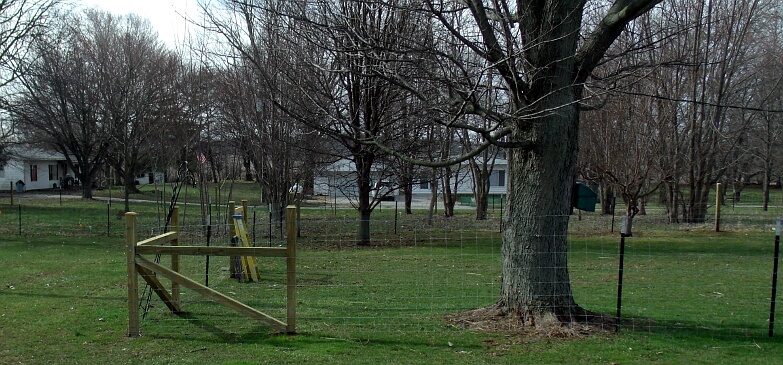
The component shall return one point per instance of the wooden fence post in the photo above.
(231, 262)
(133, 279)
(175, 227)
(291, 233)
(718, 202)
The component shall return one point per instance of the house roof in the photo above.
(28, 153)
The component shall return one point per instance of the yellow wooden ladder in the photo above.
(247, 265)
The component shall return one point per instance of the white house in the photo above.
(339, 179)
(149, 178)
(464, 179)
(32, 168)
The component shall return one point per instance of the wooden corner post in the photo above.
(133, 278)
(175, 287)
(291, 233)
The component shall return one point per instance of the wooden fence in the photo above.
(169, 244)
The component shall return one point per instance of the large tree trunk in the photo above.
(482, 196)
(246, 163)
(86, 174)
(449, 196)
(481, 183)
(364, 172)
(433, 197)
(535, 279)
(482, 205)
(408, 194)
(406, 185)
(86, 188)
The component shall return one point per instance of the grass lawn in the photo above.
(690, 296)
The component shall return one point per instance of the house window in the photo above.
(497, 178)
(424, 185)
(33, 172)
(53, 173)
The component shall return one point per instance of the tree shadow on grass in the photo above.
(696, 329)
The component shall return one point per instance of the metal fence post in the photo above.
(774, 280)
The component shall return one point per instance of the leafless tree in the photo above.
(99, 90)
(20, 22)
(327, 69)
(620, 139)
(536, 51)
(765, 137)
(707, 97)
(542, 57)
(138, 78)
(60, 104)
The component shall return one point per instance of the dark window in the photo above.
(497, 178)
(33, 172)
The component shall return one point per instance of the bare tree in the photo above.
(20, 22)
(481, 169)
(99, 90)
(621, 138)
(766, 134)
(138, 84)
(327, 67)
(706, 100)
(537, 51)
(542, 63)
(59, 103)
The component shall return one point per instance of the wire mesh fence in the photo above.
(415, 275)
(419, 270)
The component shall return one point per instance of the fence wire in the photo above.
(414, 275)
(420, 270)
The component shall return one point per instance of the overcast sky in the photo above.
(162, 14)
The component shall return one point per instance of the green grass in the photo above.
(690, 295)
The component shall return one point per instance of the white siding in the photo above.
(13, 171)
(49, 167)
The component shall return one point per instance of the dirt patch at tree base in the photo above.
(493, 320)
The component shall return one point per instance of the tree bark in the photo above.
(365, 208)
(449, 196)
(535, 277)
(607, 197)
(766, 182)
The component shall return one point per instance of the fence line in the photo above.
(677, 277)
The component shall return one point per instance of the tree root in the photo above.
(579, 323)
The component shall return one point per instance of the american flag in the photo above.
(202, 158)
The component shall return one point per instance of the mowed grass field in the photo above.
(690, 295)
